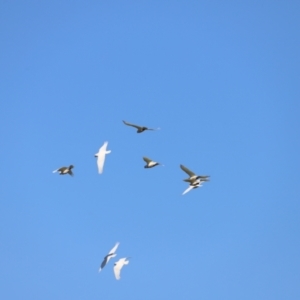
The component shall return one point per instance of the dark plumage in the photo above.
(65, 170)
(150, 163)
(139, 128)
(193, 177)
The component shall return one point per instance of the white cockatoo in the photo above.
(119, 265)
(101, 157)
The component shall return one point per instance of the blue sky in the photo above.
(221, 79)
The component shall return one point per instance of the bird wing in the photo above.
(117, 270)
(146, 159)
(128, 124)
(113, 250)
(119, 265)
(103, 264)
(101, 159)
(108, 256)
(103, 147)
(100, 163)
(70, 172)
(60, 169)
(188, 189)
(186, 170)
(204, 177)
(153, 128)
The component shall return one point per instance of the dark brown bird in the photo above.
(65, 170)
(193, 177)
(139, 128)
(150, 163)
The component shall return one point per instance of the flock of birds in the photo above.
(194, 181)
(117, 265)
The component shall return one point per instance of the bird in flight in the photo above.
(101, 157)
(139, 128)
(193, 177)
(65, 170)
(150, 163)
(119, 265)
(109, 256)
(194, 185)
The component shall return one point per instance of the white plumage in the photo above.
(101, 157)
(119, 265)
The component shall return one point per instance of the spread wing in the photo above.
(113, 250)
(118, 266)
(71, 173)
(188, 189)
(186, 170)
(101, 157)
(117, 270)
(103, 147)
(146, 159)
(103, 264)
(204, 178)
(128, 124)
(60, 169)
(153, 128)
(109, 256)
(100, 161)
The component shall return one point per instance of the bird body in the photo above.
(139, 128)
(65, 170)
(119, 265)
(194, 180)
(193, 177)
(150, 163)
(109, 256)
(101, 157)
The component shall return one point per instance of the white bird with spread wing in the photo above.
(109, 256)
(119, 265)
(101, 157)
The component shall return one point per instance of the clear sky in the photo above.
(221, 79)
